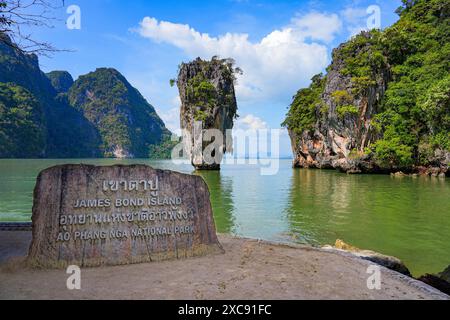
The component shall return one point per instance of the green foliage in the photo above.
(343, 102)
(360, 84)
(341, 97)
(302, 112)
(355, 154)
(407, 4)
(347, 110)
(68, 133)
(417, 99)
(363, 56)
(200, 115)
(441, 140)
(164, 149)
(22, 126)
(202, 95)
(436, 106)
(201, 92)
(392, 153)
(61, 80)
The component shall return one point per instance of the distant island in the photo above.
(384, 104)
(100, 115)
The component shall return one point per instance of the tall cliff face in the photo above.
(376, 109)
(344, 110)
(65, 132)
(23, 70)
(128, 125)
(208, 98)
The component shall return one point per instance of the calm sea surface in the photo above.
(404, 217)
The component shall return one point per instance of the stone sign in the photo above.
(91, 216)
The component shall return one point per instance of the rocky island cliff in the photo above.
(208, 100)
(52, 116)
(127, 124)
(384, 104)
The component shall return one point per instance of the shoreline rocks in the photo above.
(389, 262)
(436, 282)
(441, 281)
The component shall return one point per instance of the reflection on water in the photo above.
(221, 189)
(407, 218)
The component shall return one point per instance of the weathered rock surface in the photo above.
(389, 262)
(436, 282)
(92, 216)
(208, 98)
(439, 281)
(445, 274)
(336, 136)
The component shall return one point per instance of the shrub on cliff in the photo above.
(302, 114)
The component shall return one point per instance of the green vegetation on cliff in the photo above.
(303, 111)
(22, 126)
(61, 80)
(127, 124)
(164, 149)
(416, 111)
(201, 92)
(413, 118)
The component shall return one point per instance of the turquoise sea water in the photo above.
(405, 217)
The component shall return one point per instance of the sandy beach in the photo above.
(250, 269)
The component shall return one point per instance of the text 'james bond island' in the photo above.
(92, 216)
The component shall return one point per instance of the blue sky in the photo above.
(278, 44)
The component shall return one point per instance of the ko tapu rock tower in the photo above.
(208, 109)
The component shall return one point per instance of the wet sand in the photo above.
(249, 269)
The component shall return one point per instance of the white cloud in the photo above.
(274, 67)
(176, 101)
(171, 119)
(318, 26)
(353, 15)
(355, 19)
(250, 122)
